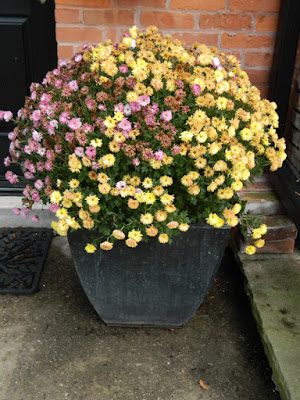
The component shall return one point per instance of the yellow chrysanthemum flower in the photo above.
(90, 248)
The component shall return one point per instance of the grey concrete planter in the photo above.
(153, 284)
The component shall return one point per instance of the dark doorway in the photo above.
(28, 50)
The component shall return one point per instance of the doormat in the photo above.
(22, 255)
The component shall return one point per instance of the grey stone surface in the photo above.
(262, 203)
(273, 284)
(9, 219)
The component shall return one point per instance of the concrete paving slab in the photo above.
(273, 284)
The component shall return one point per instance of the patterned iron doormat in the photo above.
(22, 255)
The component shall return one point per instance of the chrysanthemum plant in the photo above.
(139, 139)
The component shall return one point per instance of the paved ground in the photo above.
(274, 290)
(54, 346)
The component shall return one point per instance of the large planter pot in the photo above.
(153, 284)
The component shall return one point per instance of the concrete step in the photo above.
(262, 202)
(9, 219)
(261, 184)
(280, 237)
(273, 286)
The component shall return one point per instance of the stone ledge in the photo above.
(10, 220)
(273, 286)
(280, 227)
(262, 203)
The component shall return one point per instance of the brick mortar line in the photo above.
(243, 57)
(137, 17)
(197, 20)
(258, 68)
(81, 16)
(98, 27)
(176, 10)
(242, 61)
(196, 30)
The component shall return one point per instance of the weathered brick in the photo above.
(277, 247)
(270, 247)
(138, 3)
(256, 58)
(243, 41)
(223, 21)
(67, 15)
(280, 227)
(258, 75)
(209, 39)
(215, 5)
(71, 34)
(110, 17)
(84, 3)
(262, 203)
(163, 19)
(264, 90)
(111, 34)
(255, 5)
(259, 186)
(266, 23)
(65, 52)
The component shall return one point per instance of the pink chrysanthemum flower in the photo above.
(91, 152)
(159, 155)
(37, 136)
(119, 107)
(39, 184)
(73, 85)
(7, 161)
(123, 68)
(79, 151)
(58, 83)
(121, 185)
(64, 117)
(135, 106)
(144, 100)
(74, 124)
(16, 210)
(35, 116)
(127, 110)
(34, 218)
(166, 115)
(196, 89)
(125, 125)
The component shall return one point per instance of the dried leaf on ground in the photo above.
(202, 384)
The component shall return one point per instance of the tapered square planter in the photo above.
(154, 284)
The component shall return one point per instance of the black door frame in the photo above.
(41, 51)
(284, 181)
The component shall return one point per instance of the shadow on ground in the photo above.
(54, 346)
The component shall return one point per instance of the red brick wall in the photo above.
(244, 27)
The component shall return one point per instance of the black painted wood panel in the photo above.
(28, 50)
